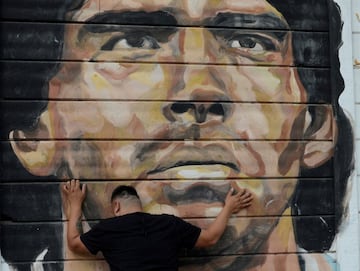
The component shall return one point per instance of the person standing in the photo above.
(134, 240)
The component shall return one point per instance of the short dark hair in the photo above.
(124, 190)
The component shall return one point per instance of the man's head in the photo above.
(125, 199)
(177, 102)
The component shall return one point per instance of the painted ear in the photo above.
(322, 136)
(37, 156)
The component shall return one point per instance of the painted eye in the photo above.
(247, 43)
(252, 43)
(131, 41)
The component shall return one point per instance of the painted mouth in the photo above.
(184, 161)
(199, 193)
(191, 163)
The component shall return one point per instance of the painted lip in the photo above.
(197, 193)
(212, 154)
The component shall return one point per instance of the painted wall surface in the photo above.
(178, 98)
(348, 239)
(355, 16)
(356, 62)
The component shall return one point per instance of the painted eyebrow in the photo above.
(134, 18)
(267, 22)
(259, 21)
(115, 21)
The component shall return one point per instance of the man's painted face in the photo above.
(204, 95)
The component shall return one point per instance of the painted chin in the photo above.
(233, 242)
(188, 198)
(206, 199)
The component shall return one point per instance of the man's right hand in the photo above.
(73, 192)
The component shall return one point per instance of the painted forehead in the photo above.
(184, 11)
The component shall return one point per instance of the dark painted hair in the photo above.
(326, 186)
(124, 191)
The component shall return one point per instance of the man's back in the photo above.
(140, 241)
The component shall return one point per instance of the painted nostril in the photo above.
(217, 109)
(180, 108)
(199, 110)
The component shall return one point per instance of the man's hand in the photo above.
(238, 199)
(73, 193)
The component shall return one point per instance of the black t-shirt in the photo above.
(141, 241)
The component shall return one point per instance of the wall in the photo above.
(348, 245)
(356, 57)
(178, 112)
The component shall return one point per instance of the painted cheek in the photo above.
(149, 82)
(101, 159)
(258, 84)
(78, 118)
(275, 120)
(250, 162)
(152, 118)
(266, 84)
(106, 80)
(250, 122)
(263, 121)
(242, 89)
(277, 195)
(290, 89)
(111, 81)
(115, 81)
(296, 88)
(117, 116)
(269, 154)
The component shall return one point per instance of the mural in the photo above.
(176, 98)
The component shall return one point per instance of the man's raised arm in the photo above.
(233, 204)
(73, 197)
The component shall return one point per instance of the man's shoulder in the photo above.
(168, 217)
(136, 216)
(163, 219)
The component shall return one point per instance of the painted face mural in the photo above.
(177, 98)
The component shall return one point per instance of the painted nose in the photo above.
(199, 90)
(196, 45)
(197, 112)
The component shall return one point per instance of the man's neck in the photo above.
(130, 210)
